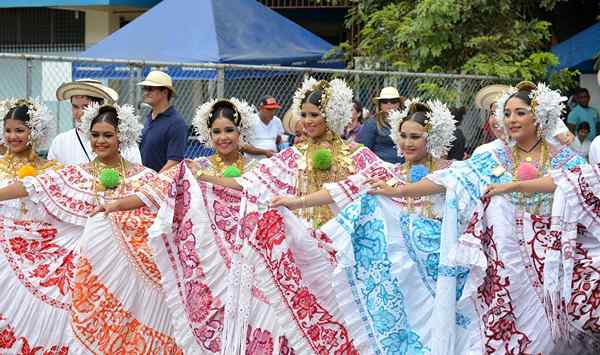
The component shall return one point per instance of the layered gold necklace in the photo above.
(311, 179)
(426, 204)
(530, 202)
(10, 164)
(219, 166)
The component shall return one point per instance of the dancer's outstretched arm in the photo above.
(12, 191)
(543, 184)
(319, 198)
(424, 187)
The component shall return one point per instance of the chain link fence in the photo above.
(40, 76)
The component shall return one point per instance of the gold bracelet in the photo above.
(199, 174)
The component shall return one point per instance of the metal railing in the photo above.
(39, 75)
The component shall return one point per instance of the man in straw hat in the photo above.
(72, 146)
(486, 100)
(164, 137)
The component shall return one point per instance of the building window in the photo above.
(40, 27)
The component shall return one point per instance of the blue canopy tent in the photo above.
(578, 52)
(207, 31)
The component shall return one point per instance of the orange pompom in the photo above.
(25, 171)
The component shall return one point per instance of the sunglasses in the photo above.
(150, 88)
(389, 101)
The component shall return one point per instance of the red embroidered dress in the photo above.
(36, 269)
(235, 281)
(112, 289)
(294, 266)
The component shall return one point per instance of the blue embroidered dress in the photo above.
(505, 242)
(387, 250)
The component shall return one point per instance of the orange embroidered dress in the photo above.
(116, 303)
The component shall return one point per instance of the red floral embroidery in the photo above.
(259, 342)
(305, 303)
(198, 300)
(7, 338)
(494, 300)
(312, 318)
(284, 348)
(270, 230)
(584, 305)
(205, 313)
(38, 260)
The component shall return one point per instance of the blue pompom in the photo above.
(417, 172)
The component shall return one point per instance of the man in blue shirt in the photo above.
(584, 113)
(164, 136)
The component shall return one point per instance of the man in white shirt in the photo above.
(267, 132)
(72, 146)
(581, 145)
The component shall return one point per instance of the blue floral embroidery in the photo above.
(381, 292)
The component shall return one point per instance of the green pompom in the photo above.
(322, 159)
(232, 172)
(109, 178)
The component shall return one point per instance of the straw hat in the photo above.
(290, 121)
(158, 78)
(389, 92)
(489, 95)
(86, 87)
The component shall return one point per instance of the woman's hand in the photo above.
(106, 208)
(193, 166)
(565, 138)
(290, 202)
(499, 189)
(380, 187)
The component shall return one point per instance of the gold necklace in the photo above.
(311, 179)
(219, 166)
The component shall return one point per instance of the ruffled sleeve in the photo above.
(468, 179)
(65, 194)
(272, 177)
(580, 188)
(368, 166)
(156, 191)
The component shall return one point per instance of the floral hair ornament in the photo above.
(129, 127)
(335, 105)
(440, 126)
(546, 104)
(40, 118)
(245, 117)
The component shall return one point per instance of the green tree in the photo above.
(484, 37)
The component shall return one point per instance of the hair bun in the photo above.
(526, 86)
(418, 107)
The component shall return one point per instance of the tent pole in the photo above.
(221, 82)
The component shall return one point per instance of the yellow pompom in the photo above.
(25, 171)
